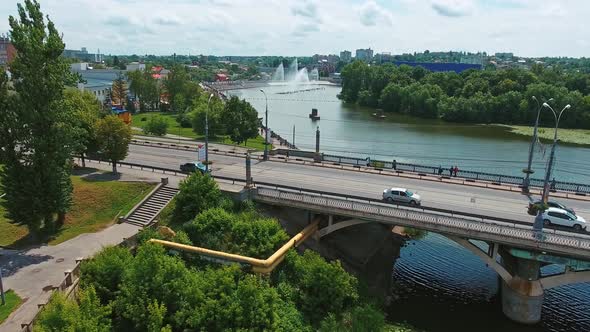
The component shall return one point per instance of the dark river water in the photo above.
(438, 285)
(350, 130)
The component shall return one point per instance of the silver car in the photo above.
(401, 195)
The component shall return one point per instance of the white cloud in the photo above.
(371, 14)
(305, 8)
(453, 8)
(297, 27)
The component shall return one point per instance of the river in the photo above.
(437, 285)
(351, 130)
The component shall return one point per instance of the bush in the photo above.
(105, 271)
(197, 193)
(184, 120)
(61, 314)
(359, 319)
(322, 287)
(245, 234)
(143, 118)
(157, 126)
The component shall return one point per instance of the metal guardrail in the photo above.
(496, 178)
(514, 233)
(328, 194)
(570, 187)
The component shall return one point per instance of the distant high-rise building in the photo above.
(364, 54)
(333, 58)
(345, 56)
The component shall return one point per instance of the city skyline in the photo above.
(297, 28)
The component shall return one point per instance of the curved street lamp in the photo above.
(538, 224)
(528, 171)
(266, 127)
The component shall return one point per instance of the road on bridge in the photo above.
(483, 201)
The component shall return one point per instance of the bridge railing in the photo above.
(466, 174)
(515, 233)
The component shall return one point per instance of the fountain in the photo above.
(292, 74)
(279, 74)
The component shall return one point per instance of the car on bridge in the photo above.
(194, 167)
(401, 195)
(561, 217)
(533, 207)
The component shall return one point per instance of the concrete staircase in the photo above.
(147, 210)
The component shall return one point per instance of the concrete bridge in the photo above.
(513, 250)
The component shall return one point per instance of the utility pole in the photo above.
(266, 127)
(207, 135)
(528, 171)
(293, 142)
(2, 289)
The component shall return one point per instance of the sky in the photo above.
(531, 28)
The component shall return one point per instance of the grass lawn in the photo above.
(572, 136)
(95, 206)
(12, 302)
(175, 129)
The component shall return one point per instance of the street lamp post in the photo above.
(538, 225)
(265, 125)
(207, 135)
(528, 171)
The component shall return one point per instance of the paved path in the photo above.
(32, 273)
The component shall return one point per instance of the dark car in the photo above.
(194, 167)
(552, 204)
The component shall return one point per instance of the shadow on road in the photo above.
(102, 177)
(14, 261)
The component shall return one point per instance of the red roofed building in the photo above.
(221, 77)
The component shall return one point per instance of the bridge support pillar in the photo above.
(522, 296)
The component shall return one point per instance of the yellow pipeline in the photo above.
(258, 265)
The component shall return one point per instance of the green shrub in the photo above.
(197, 193)
(156, 125)
(61, 314)
(246, 233)
(104, 272)
(322, 287)
(184, 120)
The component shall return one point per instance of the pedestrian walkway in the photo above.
(146, 211)
(34, 272)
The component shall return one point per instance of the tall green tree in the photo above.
(85, 110)
(37, 141)
(175, 86)
(113, 137)
(119, 91)
(240, 120)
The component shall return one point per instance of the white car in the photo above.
(401, 195)
(560, 217)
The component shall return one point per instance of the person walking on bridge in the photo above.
(456, 170)
(451, 169)
(440, 170)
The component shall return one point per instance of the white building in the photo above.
(79, 66)
(135, 66)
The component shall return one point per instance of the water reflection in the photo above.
(351, 130)
(440, 286)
